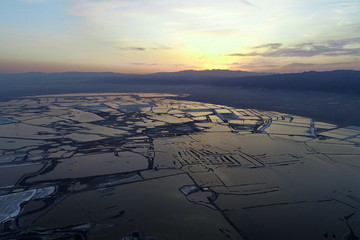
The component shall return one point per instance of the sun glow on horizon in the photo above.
(147, 36)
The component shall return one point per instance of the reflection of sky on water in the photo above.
(140, 167)
(7, 120)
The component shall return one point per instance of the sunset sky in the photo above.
(144, 36)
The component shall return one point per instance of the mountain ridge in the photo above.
(340, 81)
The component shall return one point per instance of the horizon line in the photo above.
(225, 70)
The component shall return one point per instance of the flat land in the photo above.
(161, 166)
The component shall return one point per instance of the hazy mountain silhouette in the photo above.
(339, 81)
(208, 73)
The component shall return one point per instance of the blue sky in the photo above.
(47, 16)
(143, 36)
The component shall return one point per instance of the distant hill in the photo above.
(168, 76)
(339, 81)
(215, 73)
(63, 75)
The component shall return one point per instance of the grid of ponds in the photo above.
(153, 166)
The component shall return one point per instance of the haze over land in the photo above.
(339, 81)
(327, 96)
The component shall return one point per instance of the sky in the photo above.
(146, 36)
